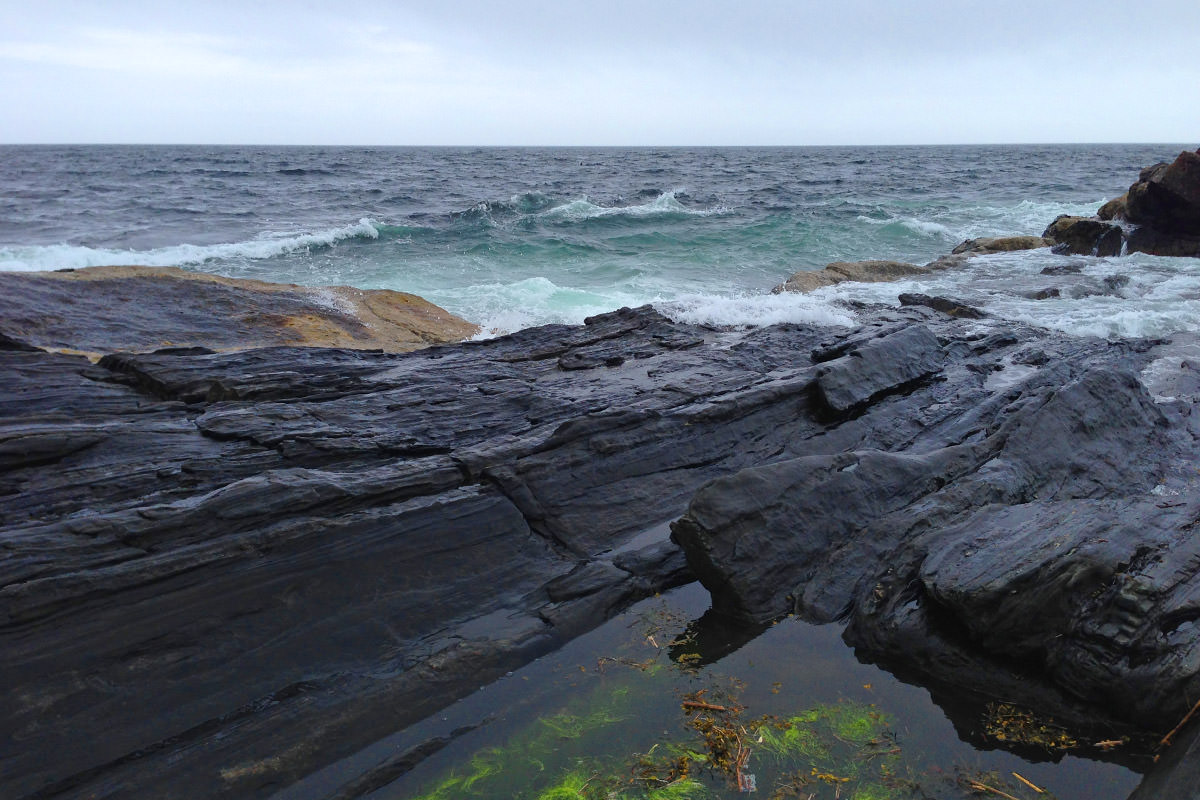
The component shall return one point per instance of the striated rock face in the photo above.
(110, 309)
(1036, 542)
(220, 572)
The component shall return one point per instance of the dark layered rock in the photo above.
(222, 571)
(1037, 543)
(945, 305)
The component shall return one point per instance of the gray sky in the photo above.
(611, 72)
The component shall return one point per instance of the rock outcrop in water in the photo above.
(1159, 215)
(111, 309)
(1161, 211)
(221, 572)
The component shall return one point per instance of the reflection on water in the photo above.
(666, 702)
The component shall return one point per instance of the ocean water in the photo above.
(514, 237)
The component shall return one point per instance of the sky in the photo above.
(609, 72)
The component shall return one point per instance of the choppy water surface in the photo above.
(517, 237)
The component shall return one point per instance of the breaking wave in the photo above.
(38, 258)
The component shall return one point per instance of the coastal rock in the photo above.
(881, 365)
(1001, 244)
(1036, 546)
(1145, 239)
(945, 305)
(1167, 196)
(1164, 207)
(222, 572)
(110, 309)
(841, 271)
(1084, 236)
(1113, 209)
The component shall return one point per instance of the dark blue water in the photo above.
(511, 237)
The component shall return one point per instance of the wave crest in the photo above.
(37, 258)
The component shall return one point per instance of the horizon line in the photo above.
(582, 146)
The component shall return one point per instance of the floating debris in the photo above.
(1007, 723)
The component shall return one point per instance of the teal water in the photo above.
(513, 237)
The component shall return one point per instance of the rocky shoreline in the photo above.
(222, 571)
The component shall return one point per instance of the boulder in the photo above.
(1039, 548)
(1084, 236)
(1113, 209)
(944, 305)
(1167, 196)
(1001, 244)
(841, 271)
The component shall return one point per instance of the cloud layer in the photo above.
(542, 73)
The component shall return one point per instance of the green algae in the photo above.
(588, 749)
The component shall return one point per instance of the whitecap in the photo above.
(36, 258)
(755, 310)
(584, 209)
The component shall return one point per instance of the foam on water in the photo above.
(1162, 295)
(34, 258)
(501, 308)
(583, 209)
(755, 310)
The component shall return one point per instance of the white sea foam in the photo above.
(1161, 297)
(501, 308)
(25, 258)
(762, 309)
(583, 209)
(1026, 218)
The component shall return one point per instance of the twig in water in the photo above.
(705, 706)
(1029, 783)
(983, 787)
(1166, 740)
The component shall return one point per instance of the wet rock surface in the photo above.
(1161, 209)
(1031, 536)
(221, 572)
(102, 310)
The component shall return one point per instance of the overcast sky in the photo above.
(610, 72)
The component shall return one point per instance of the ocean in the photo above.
(515, 237)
